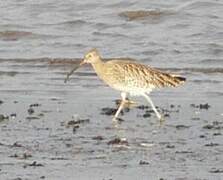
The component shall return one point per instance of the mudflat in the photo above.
(53, 130)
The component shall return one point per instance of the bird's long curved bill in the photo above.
(72, 71)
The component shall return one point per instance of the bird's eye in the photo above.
(89, 56)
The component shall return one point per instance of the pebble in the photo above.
(31, 110)
(201, 106)
(32, 118)
(34, 105)
(216, 171)
(109, 111)
(212, 144)
(215, 125)
(141, 162)
(13, 115)
(146, 115)
(181, 126)
(3, 117)
(118, 141)
(100, 138)
(79, 121)
(142, 107)
(34, 163)
(170, 146)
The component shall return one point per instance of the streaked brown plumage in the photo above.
(133, 75)
(130, 77)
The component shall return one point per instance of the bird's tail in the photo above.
(168, 80)
(176, 80)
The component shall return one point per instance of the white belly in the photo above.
(132, 91)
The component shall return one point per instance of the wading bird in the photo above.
(130, 77)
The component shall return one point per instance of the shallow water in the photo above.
(39, 42)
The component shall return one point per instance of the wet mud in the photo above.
(53, 130)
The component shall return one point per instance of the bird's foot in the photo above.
(161, 119)
(114, 119)
(117, 120)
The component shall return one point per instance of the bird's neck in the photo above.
(98, 67)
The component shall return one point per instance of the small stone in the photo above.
(212, 144)
(150, 111)
(68, 145)
(34, 163)
(181, 126)
(40, 114)
(16, 144)
(30, 110)
(109, 111)
(202, 136)
(79, 121)
(3, 117)
(201, 106)
(170, 146)
(13, 115)
(118, 141)
(166, 115)
(142, 107)
(34, 105)
(32, 118)
(217, 134)
(14, 156)
(100, 138)
(204, 106)
(141, 162)
(183, 152)
(208, 126)
(146, 115)
(216, 171)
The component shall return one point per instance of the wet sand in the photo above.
(53, 130)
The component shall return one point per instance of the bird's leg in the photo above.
(123, 95)
(153, 107)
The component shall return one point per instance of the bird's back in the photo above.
(129, 76)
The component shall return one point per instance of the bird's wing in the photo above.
(144, 76)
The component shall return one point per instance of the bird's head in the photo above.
(92, 56)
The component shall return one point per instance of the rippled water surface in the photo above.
(39, 43)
